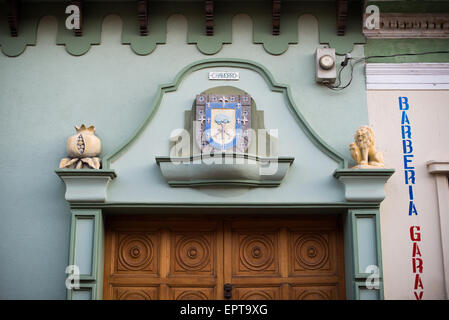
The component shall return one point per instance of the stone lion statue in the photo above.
(363, 150)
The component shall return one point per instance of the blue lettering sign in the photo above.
(409, 176)
(407, 161)
(407, 146)
(403, 103)
(404, 118)
(407, 151)
(406, 132)
(412, 209)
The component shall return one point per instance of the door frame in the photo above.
(361, 232)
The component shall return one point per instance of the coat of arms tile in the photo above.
(223, 122)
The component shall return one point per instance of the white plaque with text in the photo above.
(224, 75)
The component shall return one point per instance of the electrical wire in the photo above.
(351, 61)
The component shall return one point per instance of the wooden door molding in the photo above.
(163, 259)
(285, 258)
(193, 257)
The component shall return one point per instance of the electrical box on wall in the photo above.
(326, 70)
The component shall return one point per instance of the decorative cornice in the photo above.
(142, 16)
(224, 169)
(382, 172)
(407, 76)
(276, 17)
(209, 8)
(13, 16)
(438, 167)
(342, 16)
(93, 13)
(84, 185)
(414, 25)
(320, 207)
(86, 173)
(364, 184)
(79, 3)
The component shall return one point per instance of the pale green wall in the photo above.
(309, 180)
(45, 91)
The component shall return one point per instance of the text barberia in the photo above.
(410, 180)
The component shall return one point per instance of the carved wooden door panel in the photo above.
(284, 259)
(165, 259)
(192, 258)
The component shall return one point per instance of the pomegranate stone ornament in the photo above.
(83, 149)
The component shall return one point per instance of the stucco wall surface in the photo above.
(45, 92)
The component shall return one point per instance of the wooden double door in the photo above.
(293, 257)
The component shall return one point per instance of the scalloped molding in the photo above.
(260, 12)
(407, 76)
(238, 63)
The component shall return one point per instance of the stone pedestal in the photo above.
(85, 185)
(364, 184)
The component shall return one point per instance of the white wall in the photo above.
(429, 116)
